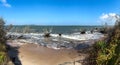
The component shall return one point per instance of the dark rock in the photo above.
(60, 34)
(91, 31)
(20, 37)
(102, 31)
(82, 32)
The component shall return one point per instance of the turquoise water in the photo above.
(52, 29)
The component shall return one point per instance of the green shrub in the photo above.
(3, 51)
(3, 58)
(108, 53)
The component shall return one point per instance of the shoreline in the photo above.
(35, 49)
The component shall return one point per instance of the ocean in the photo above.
(70, 34)
(52, 29)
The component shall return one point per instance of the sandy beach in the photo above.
(32, 54)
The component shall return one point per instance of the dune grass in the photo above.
(3, 58)
(3, 54)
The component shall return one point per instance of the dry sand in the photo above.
(44, 56)
(32, 54)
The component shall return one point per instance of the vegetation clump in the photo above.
(3, 50)
(107, 51)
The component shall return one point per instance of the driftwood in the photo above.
(47, 35)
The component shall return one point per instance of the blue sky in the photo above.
(56, 12)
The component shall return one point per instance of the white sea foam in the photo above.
(56, 41)
(74, 36)
(78, 36)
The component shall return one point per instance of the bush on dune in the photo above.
(107, 52)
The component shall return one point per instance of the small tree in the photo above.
(2, 32)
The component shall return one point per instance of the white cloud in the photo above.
(7, 5)
(109, 18)
(4, 3)
(104, 16)
(112, 14)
